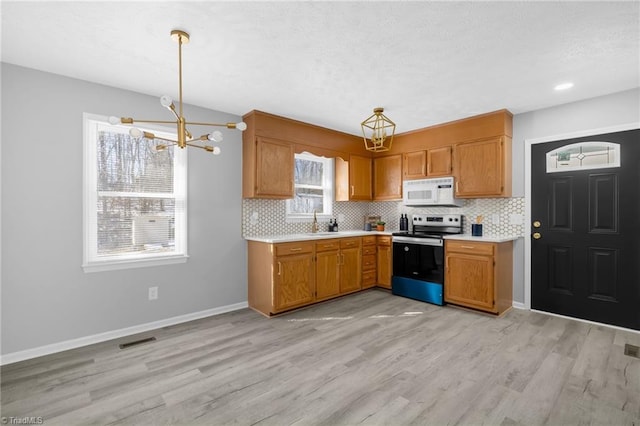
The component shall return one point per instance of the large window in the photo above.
(313, 188)
(134, 198)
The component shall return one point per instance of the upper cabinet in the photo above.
(439, 161)
(483, 168)
(387, 177)
(267, 170)
(353, 179)
(475, 150)
(270, 143)
(429, 163)
(414, 165)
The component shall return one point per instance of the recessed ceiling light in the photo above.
(563, 86)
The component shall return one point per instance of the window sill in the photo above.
(308, 219)
(114, 265)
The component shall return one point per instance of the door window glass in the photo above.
(583, 156)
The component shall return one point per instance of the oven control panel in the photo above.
(437, 220)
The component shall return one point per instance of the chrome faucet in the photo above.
(314, 225)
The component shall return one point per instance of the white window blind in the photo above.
(313, 187)
(135, 198)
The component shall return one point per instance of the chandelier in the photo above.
(184, 137)
(374, 130)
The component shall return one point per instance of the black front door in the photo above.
(585, 246)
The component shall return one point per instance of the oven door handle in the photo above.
(420, 241)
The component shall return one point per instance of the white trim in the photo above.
(615, 327)
(518, 305)
(527, 189)
(114, 265)
(10, 358)
(91, 262)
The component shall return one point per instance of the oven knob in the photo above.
(406, 248)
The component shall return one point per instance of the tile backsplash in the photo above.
(268, 217)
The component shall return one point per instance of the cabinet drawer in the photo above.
(368, 262)
(369, 240)
(328, 245)
(384, 241)
(470, 247)
(369, 278)
(367, 250)
(285, 249)
(349, 242)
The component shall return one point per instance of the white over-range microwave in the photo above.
(430, 192)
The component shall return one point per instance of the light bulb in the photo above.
(215, 136)
(114, 120)
(216, 150)
(134, 132)
(242, 126)
(166, 101)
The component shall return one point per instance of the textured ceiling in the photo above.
(331, 63)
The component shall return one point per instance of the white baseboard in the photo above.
(10, 358)
(518, 305)
(615, 327)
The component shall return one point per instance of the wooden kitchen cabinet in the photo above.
(353, 179)
(439, 161)
(478, 275)
(350, 265)
(428, 163)
(387, 177)
(414, 165)
(327, 269)
(281, 276)
(385, 261)
(369, 261)
(267, 170)
(483, 168)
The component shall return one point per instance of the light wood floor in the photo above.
(369, 358)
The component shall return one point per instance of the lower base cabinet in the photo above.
(384, 261)
(479, 275)
(369, 262)
(287, 276)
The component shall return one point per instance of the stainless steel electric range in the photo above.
(418, 257)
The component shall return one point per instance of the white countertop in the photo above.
(314, 236)
(484, 238)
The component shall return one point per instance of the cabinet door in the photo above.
(274, 168)
(470, 281)
(387, 173)
(384, 266)
(479, 168)
(414, 165)
(350, 270)
(359, 178)
(327, 274)
(293, 283)
(439, 161)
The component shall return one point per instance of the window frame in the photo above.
(91, 261)
(328, 184)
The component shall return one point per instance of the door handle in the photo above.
(279, 268)
(537, 235)
(352, 190)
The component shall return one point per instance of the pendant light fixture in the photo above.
(184, 137)
(378, 131)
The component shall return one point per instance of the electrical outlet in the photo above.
(153, 293)
(495, 219)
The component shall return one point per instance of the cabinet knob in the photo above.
(537, 235)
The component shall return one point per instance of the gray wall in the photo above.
(46, 296)
(605, 111)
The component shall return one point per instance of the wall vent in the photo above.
(137, 342)
(632, 350)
